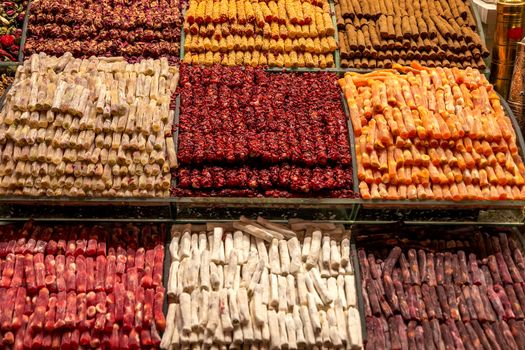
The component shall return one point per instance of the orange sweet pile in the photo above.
(437, 133)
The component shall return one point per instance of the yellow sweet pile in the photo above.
(284, 33)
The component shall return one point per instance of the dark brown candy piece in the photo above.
(405, 269)
(447, 266)
(420, 338)
(375, 269)
(439, 268)
(431, 271)
(427, 300)
(390, 292)
(506, 334)
(497, 305)
(467, 343)
(428, 335)
(467, 297)
(514, 302)
(373, 298)
(411, 335)
(503, 269)
(518, 331)
(462, 304)
(465, 279)
(507, 306)
(435, 303)
(481, 335)
(391, 260)
(475, 273)
(403, 305)
(414, 269)
(493, 268)
(395, 341)
(491, 336)
(401, 329)
(363, 264)
(454, 332)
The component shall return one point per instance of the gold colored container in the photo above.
(517, 86)
(509, 31)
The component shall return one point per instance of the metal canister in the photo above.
(517, 86)
(509, 31)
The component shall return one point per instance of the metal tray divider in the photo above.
(358, 285)
(337, 55)
(24, 33)
(182, 36)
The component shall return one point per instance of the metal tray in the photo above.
(206, 203)
(435, 204)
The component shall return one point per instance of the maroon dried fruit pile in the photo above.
(462, 292)
(133, 29)
(247, 132)
(63, 287)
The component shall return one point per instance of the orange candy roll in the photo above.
(392, 123)
(361, 172)
(398, 156)
(467, 177)
(401, 176)
(461, 161)
(500, 174)
(374, 192)
(392, 164)
(434, 157)
(438, 192)
(407, 156)
(421, 192)
(416, 156)
(475, 176)
(369, 176)
(374, 160)
(516, 193)
(402, 192)
(398, 117)
(392, 193)
(469, 160)
(458, 174)
(371, 136)
(454, 192)
(447, 195)
(383, 193)
(411, 192)
(363, 189)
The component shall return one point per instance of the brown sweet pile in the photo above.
(376, 34)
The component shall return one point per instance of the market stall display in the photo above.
(92, 127)
(459, 289)
(134, 29)
(291, 33)
(12, 16)
(437, 134)
(378, 34)
(247, 132)
(65, 286)
(263, 284)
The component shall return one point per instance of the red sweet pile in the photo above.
(248, 132)
(131, 29)
(68, 286)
